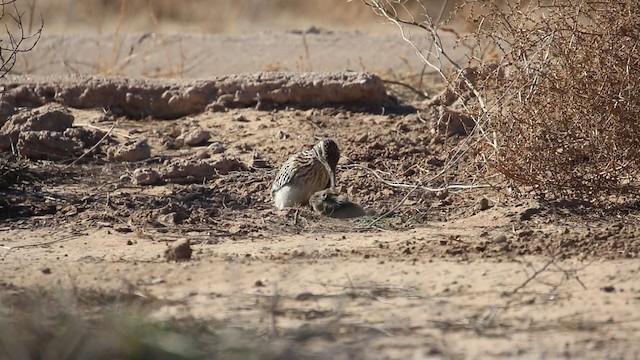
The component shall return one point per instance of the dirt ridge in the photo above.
(175, 98)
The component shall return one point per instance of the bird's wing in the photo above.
(288, 173)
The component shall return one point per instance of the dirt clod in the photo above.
(184, 171)
(226, 165)
(216, 147)
(47, 145)
(130, 151)
(195, 137)
(53, 118)
(483, 204)
(145, 176)
(180, 250)
(502, 238)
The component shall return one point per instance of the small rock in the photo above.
(216, 107)
(362, 138)
(131, 151)
(443, 194)
(196, 137)
(47, 145)
(239, 118)
(46, 271)
(6, 110)
(483, 204)
(500, 239)
(453, 122)
(52, 118)
(145, 176)
(188, 171)
(168, 220)
(344, 161)
(180, 250)
(89, 137)
(226, 165)
(525, 233)
(226, 100)
(257, 162)
(216, 147)
(305, 296)
(123, 229)
(282, 135)
(608, 288)
(435, 161)
(129, 242)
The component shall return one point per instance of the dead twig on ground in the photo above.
(94, 146)
(46, 243)
(413, 188)
(533, 276)
(419, 184)
(419, 92)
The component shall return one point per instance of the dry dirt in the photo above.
(468, 273)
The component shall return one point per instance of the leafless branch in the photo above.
(534, 275)
(17, 39)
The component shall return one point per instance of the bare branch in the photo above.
(19, 41)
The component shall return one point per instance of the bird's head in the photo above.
(328, 153)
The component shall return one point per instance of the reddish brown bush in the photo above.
(566, 118)
(553, 87)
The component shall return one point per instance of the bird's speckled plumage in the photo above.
(304, 173)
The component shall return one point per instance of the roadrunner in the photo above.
(305, 173)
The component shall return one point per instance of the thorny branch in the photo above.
(553, 267)
(388, 10)
(17, 39)
(534, 275)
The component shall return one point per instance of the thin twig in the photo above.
(94, 146)
(415, 90)
(419, 184)
(40, 244)
(534, 275)
(390, 211)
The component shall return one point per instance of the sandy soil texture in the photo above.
(468, 273)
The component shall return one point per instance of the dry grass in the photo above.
(209, 15)
(96, 324)
(204, 15)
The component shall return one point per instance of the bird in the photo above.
(305, 173)
(329, 203)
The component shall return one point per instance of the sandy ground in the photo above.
(440, 277)
(204, 55)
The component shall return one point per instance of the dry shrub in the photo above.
(566, 117)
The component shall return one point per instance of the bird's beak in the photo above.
(332, 175)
